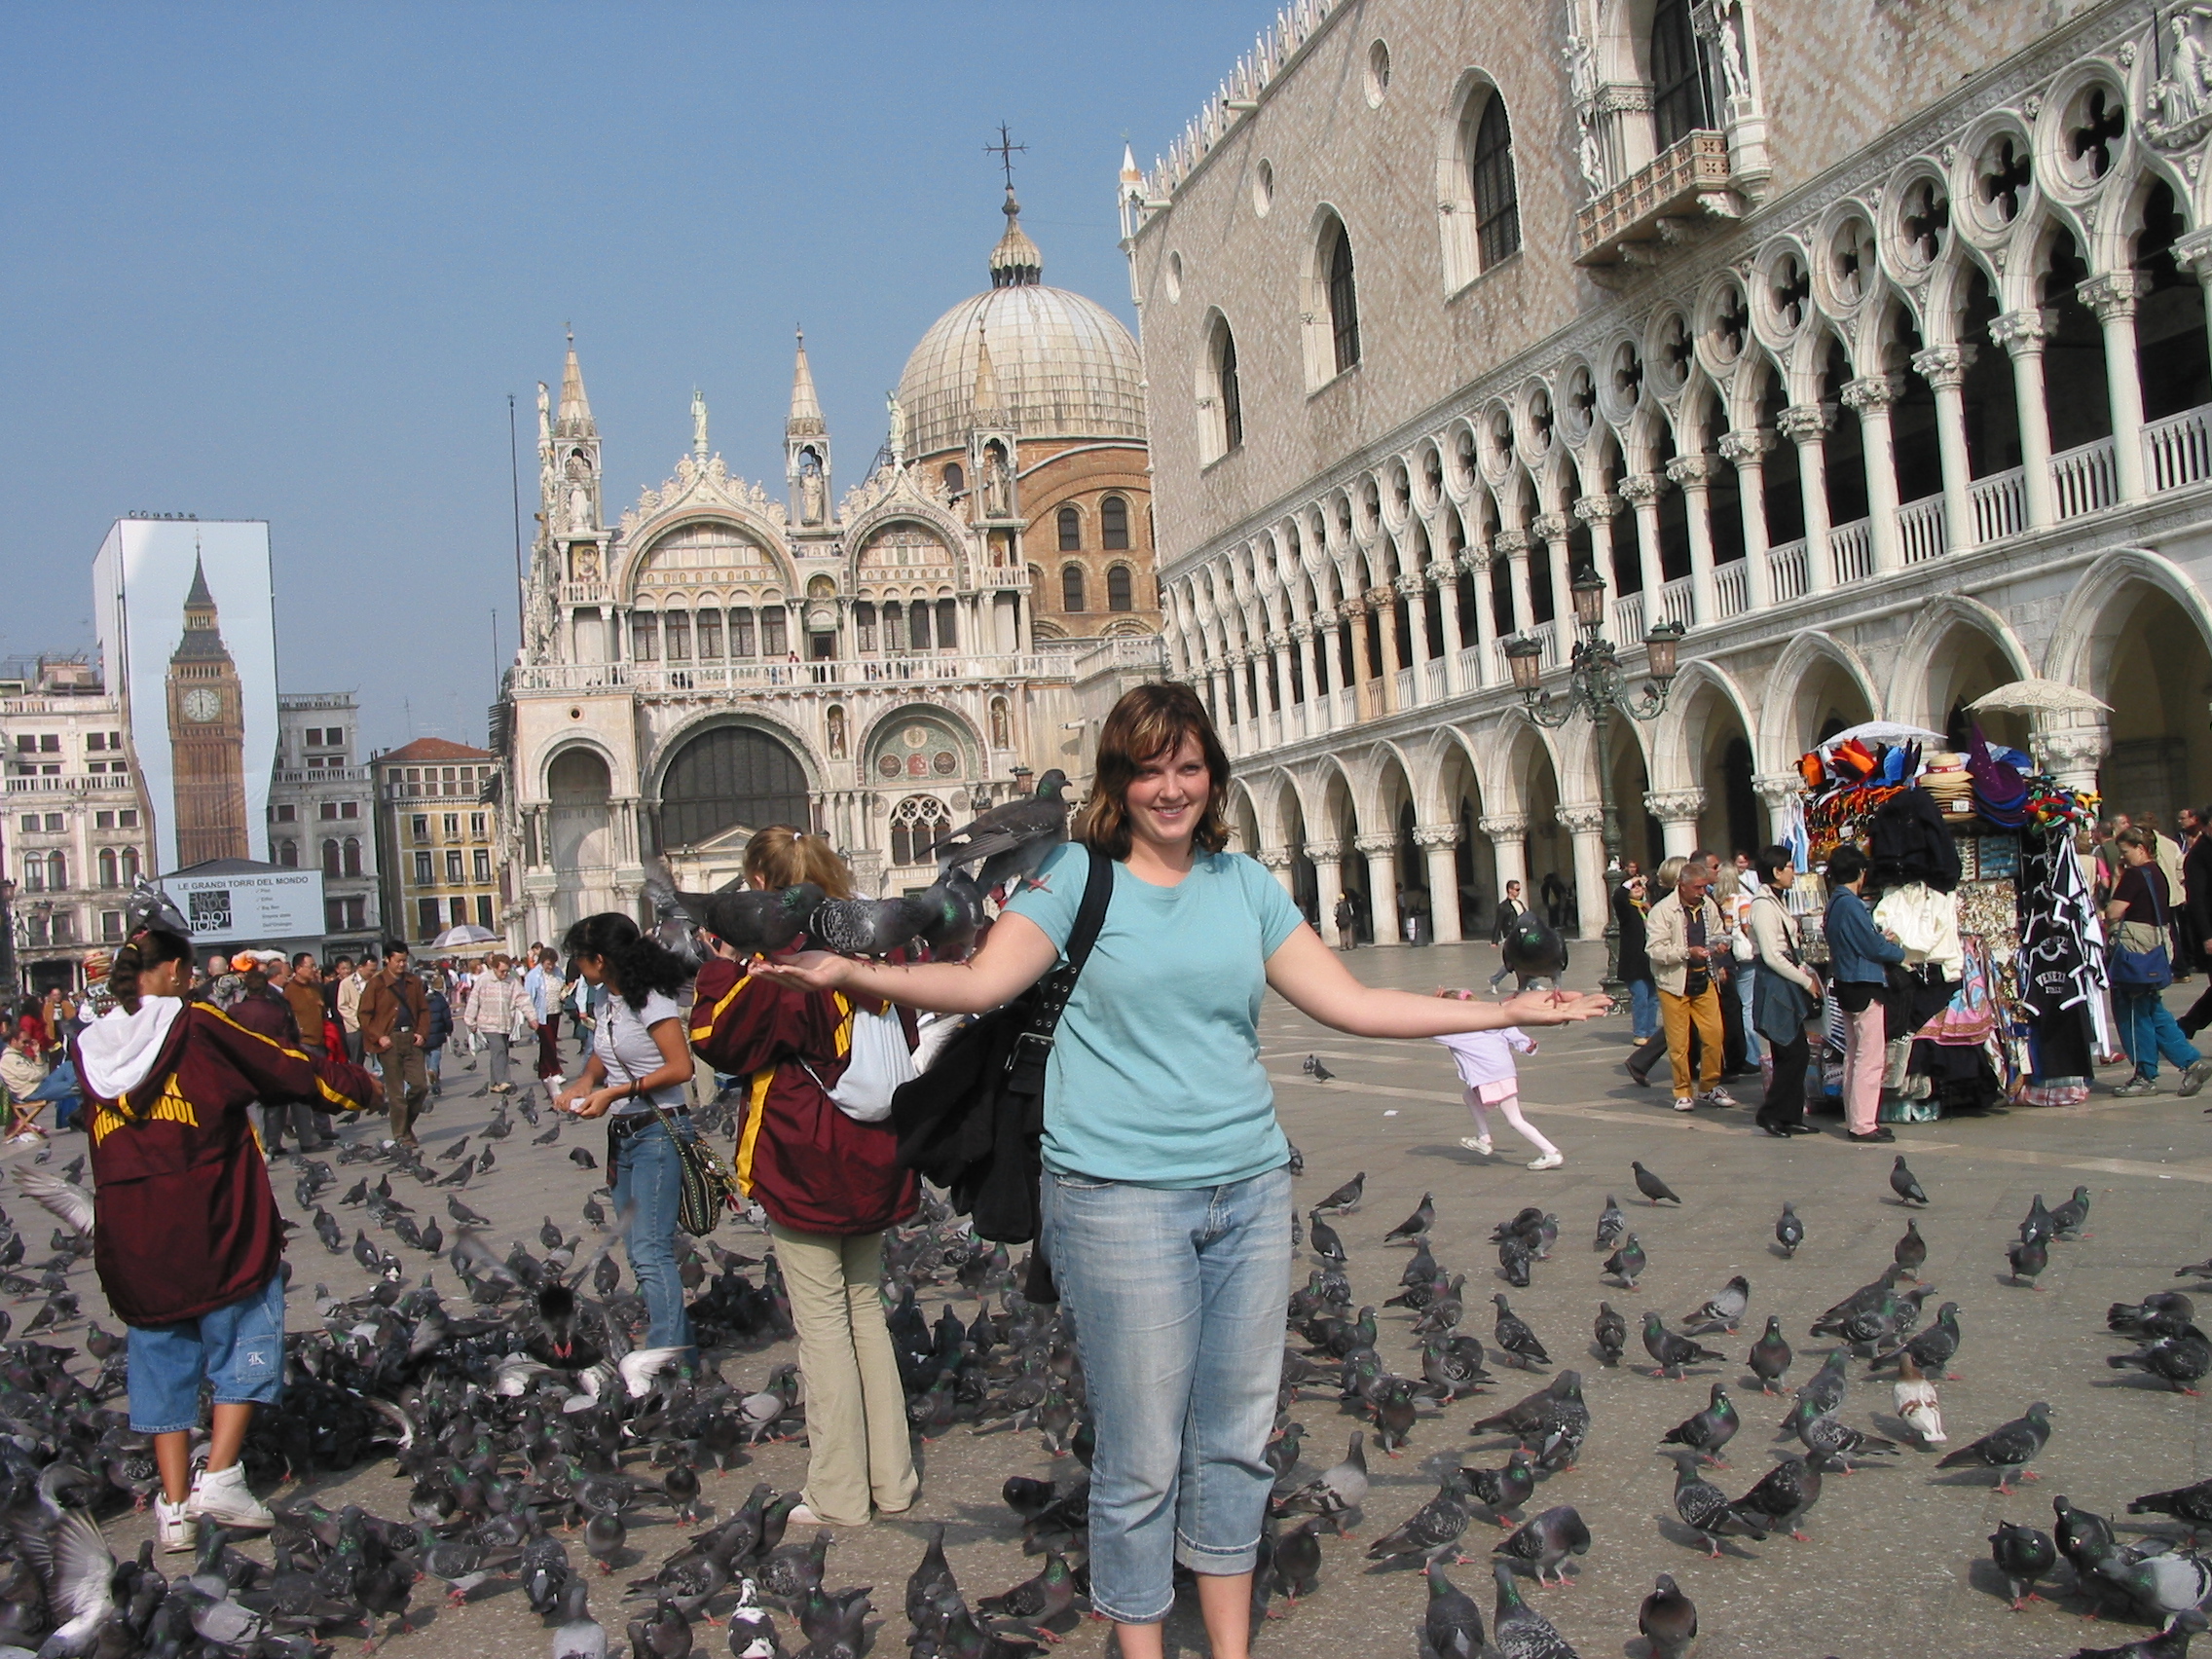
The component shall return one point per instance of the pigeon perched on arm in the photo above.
(1010, 841)
(754, 923)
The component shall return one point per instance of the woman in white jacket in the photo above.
(1788, 994)
(491, 1016)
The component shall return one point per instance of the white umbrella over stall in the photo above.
(2041, 697)
(464, 939)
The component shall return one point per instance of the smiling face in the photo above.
(1168, 797)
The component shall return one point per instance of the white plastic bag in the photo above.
(878, 1063)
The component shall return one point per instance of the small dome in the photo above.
(1064, 365)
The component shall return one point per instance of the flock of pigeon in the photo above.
(2159, 1578)
(504, 1384)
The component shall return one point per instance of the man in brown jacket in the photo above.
(396, 1013)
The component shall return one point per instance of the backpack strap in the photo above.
(1026, 1066)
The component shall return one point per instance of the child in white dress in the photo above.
(1487, 1069)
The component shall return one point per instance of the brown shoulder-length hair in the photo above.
(1149, 721)
(784, 856)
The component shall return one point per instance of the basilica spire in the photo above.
(1016, 262)
(806, 409)
(576, 420)
(983, 401)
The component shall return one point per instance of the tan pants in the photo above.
(1675, 1015)
(857, 1449)
(406, 1082)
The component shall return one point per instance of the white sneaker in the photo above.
(225, 1498)
(1550, 1160)
(1476, 1143)
(172, 1526)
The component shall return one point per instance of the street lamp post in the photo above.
(1598, 688)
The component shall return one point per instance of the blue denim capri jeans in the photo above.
(239, 1350)
(1176, 1297)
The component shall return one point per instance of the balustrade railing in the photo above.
(1628, 618)
(1731, 589)
(652, 677)
(1676, 603)
(1851, 551)
(2177, 449)
(1470, 667)
(1347, 711)
(2086, 479)
(1402, 687)
(2000, 506)
(1786, 571)
(1434, 688)
(1920, 530)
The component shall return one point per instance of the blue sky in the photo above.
(287, 260)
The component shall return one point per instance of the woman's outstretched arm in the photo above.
(1017, 953)
(1313, 979)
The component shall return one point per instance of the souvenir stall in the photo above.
(2001, 996)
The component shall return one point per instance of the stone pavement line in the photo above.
(2199, 1169)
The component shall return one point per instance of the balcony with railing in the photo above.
(1689, 180)
(1785, 570)
(71, 783)
(1732, 588)
(1402, 688)
(1851, 551)
(651, 677)
(1920, 530)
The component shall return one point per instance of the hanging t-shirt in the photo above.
(1155, 1076)
(623, 1041)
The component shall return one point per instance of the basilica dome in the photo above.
(1061, 366)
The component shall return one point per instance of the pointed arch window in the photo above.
(1344, 298)
(1071, 589)
(918, 823)
(1497, 199)
(1071, 531)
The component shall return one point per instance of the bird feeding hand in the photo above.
(1556, 1008)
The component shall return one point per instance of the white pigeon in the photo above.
(66, 1199)
(1917, 1403)
(78, 1569)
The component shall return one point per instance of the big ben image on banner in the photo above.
(207, 736)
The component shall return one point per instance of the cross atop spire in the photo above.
(1006, 150)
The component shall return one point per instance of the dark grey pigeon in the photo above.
(753, 923)
(1414, 1225)
(1627, 1263)
(1547, 1541)
(2022, 1554)
(1346, 1199)
(1009, 842)
(1517, 1340)
(1667, 1621)
(1453, 1626)
(1905, 1184)
(1432, 1528)
(1611, 1224)
(1789, 1230)
(2010, 1447)
(1705, 1508)
(1652, 1188)
(1517, 1629)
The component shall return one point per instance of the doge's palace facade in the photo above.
(1868, 342)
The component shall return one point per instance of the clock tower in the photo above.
(207, 736)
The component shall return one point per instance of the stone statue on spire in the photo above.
(898, 441)
(699, 425)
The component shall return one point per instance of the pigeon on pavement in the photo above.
(2007, 1448)
(1667, 1621)
(1705, 1508)
(1546, 1540)
(1669, 1351)
(1789, 1230)
(1651, 1187)
(2022, 1554)
(1905, 1184)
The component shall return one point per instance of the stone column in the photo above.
(1384, 600)
(1551, 529)
(2113, 298)
(1301, 641)
(1599, 513)
(1224, 708)
(1445, 573)
(1805, 426)
(1439, 843)
(1746, 450)
(1278, 647)
(1276, 860)
(1869, 398)
(2073, 754)
(2023, 333)
(1694, 475)
(1381, 853)
(1641, 490)
(1249, 735)
(1586, 823)
(1328, 886)
(1354, 614)
(2192, 253)
(1508, 834)
(1478, 563)
(1677, 812)
(1514, 545)
(1944, 369)
(1776, 791)
(1412, 586)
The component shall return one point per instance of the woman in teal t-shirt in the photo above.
(1166, 1196)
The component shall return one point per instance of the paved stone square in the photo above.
(1898, 1562)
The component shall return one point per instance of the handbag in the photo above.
(707, 1184)
(2142, 970)
(971, 1124)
